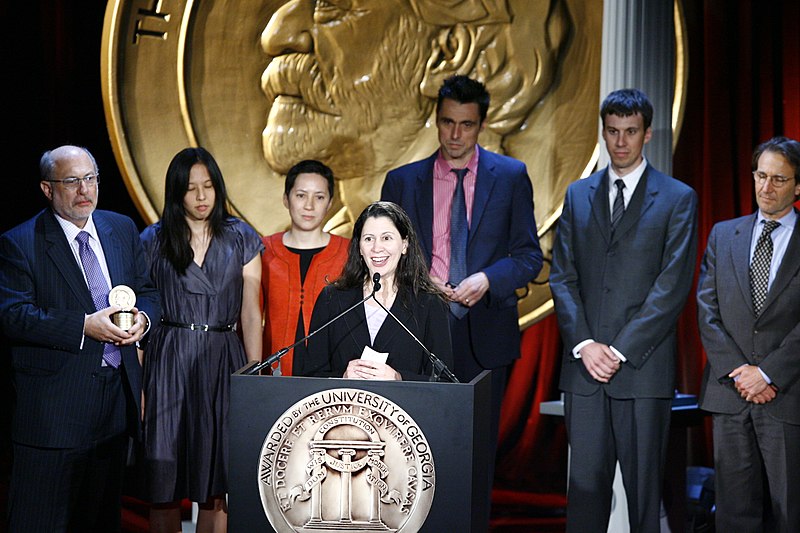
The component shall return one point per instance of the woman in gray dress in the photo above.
(207, 267)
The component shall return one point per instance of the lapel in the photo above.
(60, 253)
(598, 202)
(484, 183)
(740, 257)
(111, 249)
(643, 197)
(355, 322)
(787, 269)
(424, 204)
(390, 329)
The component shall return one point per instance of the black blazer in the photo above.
(43, 300)
(330, 350)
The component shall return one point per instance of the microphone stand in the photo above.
(439, 368)
(274, 358)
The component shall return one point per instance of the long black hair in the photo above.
(174, 233)
(411, 275)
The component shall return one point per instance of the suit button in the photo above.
(606, 290)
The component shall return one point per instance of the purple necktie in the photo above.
(99, 289)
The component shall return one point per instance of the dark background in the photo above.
(744, 87)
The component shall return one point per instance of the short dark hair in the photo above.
(308, 166)
(464, 90)
(788, 148)
(627, 102)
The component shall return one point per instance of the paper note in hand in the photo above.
(371, 355)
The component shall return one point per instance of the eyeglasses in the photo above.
(777, 180)
(73, 184)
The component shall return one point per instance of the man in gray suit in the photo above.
(748, 308)
(623, 263)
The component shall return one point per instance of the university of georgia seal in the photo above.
(346, 460)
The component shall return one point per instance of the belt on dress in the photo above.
(197, 327)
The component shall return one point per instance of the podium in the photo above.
(326, 454)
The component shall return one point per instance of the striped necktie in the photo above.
(619, 204)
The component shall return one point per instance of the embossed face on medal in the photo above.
(346, 460)
(264, 84)
(336, 106)
(354, 82)
(123, 297)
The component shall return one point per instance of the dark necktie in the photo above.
(619, 204)
(459, 232)
(98, 287)
(759, 268)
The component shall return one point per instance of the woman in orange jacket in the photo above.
(298, 263)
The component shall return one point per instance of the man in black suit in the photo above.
(76, 375)
(748, 300)
(623, 263)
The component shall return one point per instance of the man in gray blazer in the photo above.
(623, 263)
(748, 303)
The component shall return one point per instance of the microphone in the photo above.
(376, 278)
(274, 358)
(439, 368)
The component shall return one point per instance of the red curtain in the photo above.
(744, 87)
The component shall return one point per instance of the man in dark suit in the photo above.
(76, 375)
(748, 308)
(623, 263)
(473, 212)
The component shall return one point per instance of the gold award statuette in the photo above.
(124, 297)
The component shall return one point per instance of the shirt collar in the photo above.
(631, 179)
(71, 230)
(787, 221)
(443, 167)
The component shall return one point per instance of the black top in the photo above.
(306, 255)
(330, 350)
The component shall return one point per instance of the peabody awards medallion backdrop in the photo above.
(263, 84)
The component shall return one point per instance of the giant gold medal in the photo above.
(263, 84)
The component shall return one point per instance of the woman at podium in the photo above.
(385, 281)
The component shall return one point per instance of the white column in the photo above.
(638, 51)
